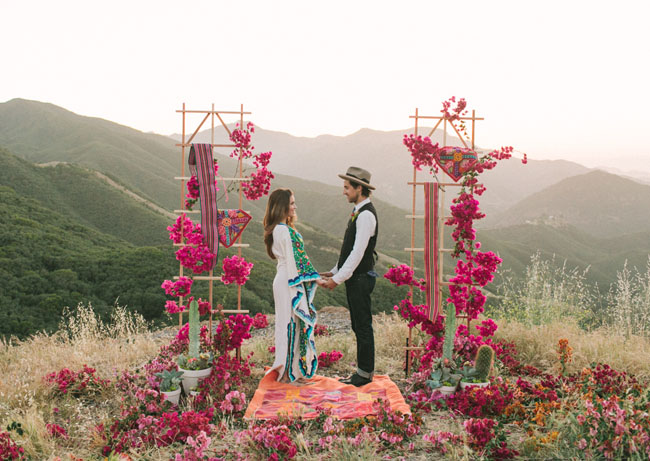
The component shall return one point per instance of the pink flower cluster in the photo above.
(327, 359)
(268, 440)
(196, 258)
(442, 440)
(193, 188)
(456, 112)
(259, 185)
(394, 427)
(241, 138)
(180, 287)
(184, 229)
(234, 402)
(56, 431)
(197, 449)
(8, 448)
(487, 328)
(321, 330)
(260, 321)
(235, 270)
(231, 332)
(404, 275)
(480, 432)
(423, 151)
(76, 383)
(260, 180)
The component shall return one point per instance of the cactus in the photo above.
(194, 330)
(450, 331)
(483, 362)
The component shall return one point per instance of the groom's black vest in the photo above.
(368, 261)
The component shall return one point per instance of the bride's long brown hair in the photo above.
(277, 212)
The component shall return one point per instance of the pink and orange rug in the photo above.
(273, 399)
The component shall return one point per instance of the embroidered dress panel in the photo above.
(294, 288)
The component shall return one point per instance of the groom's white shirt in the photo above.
(366, 225)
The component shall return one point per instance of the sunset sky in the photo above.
(555, 79)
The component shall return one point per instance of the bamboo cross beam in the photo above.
(213, 145)
(440, 117)
(189, 141)
(434, 128)
(187, 178)
(216, 112)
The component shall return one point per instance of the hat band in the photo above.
(356, 177)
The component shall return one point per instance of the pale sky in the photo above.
(555, 79)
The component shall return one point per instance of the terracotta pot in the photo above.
(191, 378)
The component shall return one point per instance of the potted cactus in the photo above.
(479, 373)
(195, 365)
(170, 384)
(444, 375)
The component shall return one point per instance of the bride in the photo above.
(294, 287)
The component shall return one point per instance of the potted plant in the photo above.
(170, 384)
(195, 365)
(479, 373)
(444, 375)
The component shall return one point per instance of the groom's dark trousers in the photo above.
(358, 289)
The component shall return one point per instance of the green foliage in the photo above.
(444, 373)
(170, 380)
(483, 362)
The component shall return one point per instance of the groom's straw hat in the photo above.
(358, 176)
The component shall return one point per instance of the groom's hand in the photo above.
(329, 283)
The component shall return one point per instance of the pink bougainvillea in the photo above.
(236, 270)
(259, 182)
(327, 359)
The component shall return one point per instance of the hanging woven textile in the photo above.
(201, 164)
(431, 246)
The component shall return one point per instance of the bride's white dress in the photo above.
(294, 287)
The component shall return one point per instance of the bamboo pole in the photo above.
(459, 135)
(197, 129)
(215, 111)
(434, 128)
(180, 270)
(473, 125)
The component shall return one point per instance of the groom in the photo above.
(356, 266)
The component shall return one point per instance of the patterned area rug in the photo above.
(273, 399)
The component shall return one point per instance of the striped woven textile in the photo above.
(201, 164)
(431, 247)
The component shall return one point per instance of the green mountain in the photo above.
(43, 133)
(598, 203)
(85, 198)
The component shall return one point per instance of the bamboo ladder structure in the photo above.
(440, 283)
(184, 144)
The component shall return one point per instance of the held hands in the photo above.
(326, 281)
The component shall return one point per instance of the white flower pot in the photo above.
(191, 378)
(464, 385)
(447, 390)
(173, 396)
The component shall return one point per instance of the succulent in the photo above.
(483, 362)
(170, 380)
(444, 374)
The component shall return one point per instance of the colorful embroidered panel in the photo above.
(303, 265)
(231, 223)
(456, 160)
(201, 163)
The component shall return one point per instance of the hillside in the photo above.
(382, 152)
(598, 203)
(42, 133)
(84, 198)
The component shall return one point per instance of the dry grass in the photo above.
(126, 343)
(536, 346)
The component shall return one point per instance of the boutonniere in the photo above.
(354, 216)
